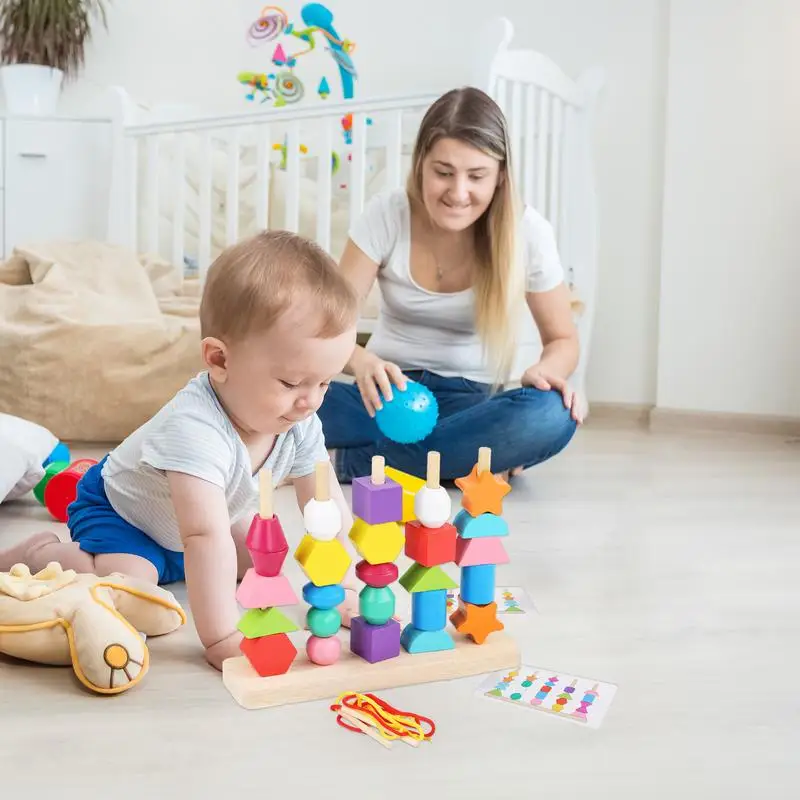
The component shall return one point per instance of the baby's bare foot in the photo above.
(21, 553)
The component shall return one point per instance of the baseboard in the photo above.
(667, 420)
(628, 415)
(673, 420)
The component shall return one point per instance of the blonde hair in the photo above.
(471, 116)
(251, 283)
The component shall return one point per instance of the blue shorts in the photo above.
(98, 528)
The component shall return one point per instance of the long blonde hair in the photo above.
(471, 116)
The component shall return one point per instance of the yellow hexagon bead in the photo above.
(324, 563)
(377, 544)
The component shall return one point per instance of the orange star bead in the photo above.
(477, 622)
(484, 493)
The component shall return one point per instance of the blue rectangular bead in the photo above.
(429, 610)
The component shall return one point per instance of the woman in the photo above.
(456, 264)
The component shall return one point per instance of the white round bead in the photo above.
(432, 506)
(322, 519)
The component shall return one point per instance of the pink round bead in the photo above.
(323, 651)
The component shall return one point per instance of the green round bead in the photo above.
(51, 469)
(323, 622)
(376, 605)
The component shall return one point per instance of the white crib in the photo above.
(185, 185)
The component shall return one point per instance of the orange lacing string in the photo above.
(390, 722)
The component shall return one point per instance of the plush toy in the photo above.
(60, 617)
(26, 450)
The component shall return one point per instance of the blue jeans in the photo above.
(523, 427)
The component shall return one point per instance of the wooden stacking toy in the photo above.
(430, 542)
(378, 538)
(479, 548)
(264, 589)
(325, 561)
(386, 504)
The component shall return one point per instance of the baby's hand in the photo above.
(226, 648)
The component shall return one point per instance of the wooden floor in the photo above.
(667, 565)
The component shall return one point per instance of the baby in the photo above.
(175, 500)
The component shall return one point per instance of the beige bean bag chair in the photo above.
(93, 340)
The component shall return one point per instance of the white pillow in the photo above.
(24, 446)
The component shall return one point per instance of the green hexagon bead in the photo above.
(376, 605)
(323, 622)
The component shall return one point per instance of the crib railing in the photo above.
(183, 189)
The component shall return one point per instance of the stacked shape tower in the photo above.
(479, 548)
(324, 560)
(378, 539)
(430, 542)
(265, 589)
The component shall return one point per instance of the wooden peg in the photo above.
(484, 459)
(265, 493)
(323, 487)
(378, 474)
(433, 470)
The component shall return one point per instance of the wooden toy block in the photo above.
(431, 546)
(258, 622)
(432, 505)
(474, 552)
(265, 540)
(321, 515)
(415, 641)
(258, 591)
(470, 527)
(475, 621)
(324, 651)
(483, 492)
(377, 575)
(323, 597)
(323, 622)
(478, 584)
(377, 499)
(305, 681)
(323, 562)
(269, 655)
(376, 606)
(429, 610)
(374, 642)
(419, 578)
(377, 544)
(411, 484)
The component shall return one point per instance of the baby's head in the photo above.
(278, 323)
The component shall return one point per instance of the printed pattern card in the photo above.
(580, 700)
(509, 599)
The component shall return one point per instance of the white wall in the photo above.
(729, 314)
(684, 322)
(401, 48)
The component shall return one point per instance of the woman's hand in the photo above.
(541, 377)
(373, 374)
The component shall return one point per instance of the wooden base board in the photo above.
(306, 681)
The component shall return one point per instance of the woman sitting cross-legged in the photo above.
(457, 261)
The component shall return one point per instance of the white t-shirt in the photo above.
(193, 434)
(421, 329)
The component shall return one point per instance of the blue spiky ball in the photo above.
(410, 415)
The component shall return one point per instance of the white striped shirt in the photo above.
(193, 434)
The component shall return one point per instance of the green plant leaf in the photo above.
(52, 33)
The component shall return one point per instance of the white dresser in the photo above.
(54, 179)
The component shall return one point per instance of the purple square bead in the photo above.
(374, 642)
(377, 503)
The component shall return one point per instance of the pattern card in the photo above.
(509, 599)
(580, 700)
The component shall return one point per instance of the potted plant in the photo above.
(41, 44)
